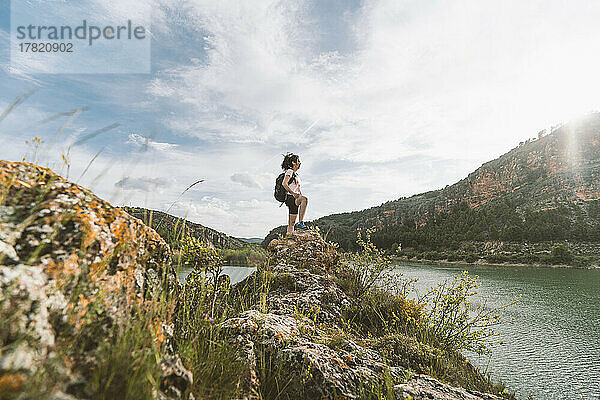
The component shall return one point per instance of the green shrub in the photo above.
(530, 258)
(363, 269)
(433, 255)
(249, 255)
(453, 322)
(497, 258)
(471, 258)
(455, 257)
(561, 254)
(581, 261)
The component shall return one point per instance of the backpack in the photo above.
(280, 192)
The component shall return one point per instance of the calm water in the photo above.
(236, 274)
(552, 350)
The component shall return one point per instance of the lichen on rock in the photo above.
(70, 263)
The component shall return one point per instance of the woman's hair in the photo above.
(288, 159)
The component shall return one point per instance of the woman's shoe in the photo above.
(300, 225)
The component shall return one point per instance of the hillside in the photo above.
(544, 190)
(170, 227)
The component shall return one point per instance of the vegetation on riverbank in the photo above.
(250, 255)
(559, 255)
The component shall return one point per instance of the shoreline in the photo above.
(484, 263)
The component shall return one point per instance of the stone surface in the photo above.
(68, 261)
(292, 333)
(304, 248)
(423, 387)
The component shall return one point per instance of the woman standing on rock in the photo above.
(294, 198)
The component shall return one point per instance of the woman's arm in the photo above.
(286, 180)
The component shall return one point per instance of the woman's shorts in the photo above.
(290, 201)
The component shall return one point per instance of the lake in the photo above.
(236, 274)
(552, 349)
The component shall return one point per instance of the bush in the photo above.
(381, 313)
(530, 258)
(363, 269)
(471, 258)
(249, 255)
(453, 322)
(497, 258)
(582, 261)
(433, 255)
(561, 254)
(433, 329)
(455, 257)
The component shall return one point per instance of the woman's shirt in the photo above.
(293, 184)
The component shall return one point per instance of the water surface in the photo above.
(552, 350)
(236, 274)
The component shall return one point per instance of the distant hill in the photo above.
(169, 228)
(546, 189)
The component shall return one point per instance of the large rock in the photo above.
(305, 249)
(70, 262)
(296, 334)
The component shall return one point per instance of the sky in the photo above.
(381, 99)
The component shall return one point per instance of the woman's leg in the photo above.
(291, 222)
(302, 207)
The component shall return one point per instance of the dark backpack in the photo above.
(280, 192)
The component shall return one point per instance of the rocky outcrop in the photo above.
(425, 387)
(293, 340)
(72, 267)
(305, 249)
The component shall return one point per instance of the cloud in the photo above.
(209, 211)
(247, 180)
(143, 141)
(442, 73)
(254, 203)
(145, 184)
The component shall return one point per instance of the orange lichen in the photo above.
(11, 382)
(78, 319)
(68, 267)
